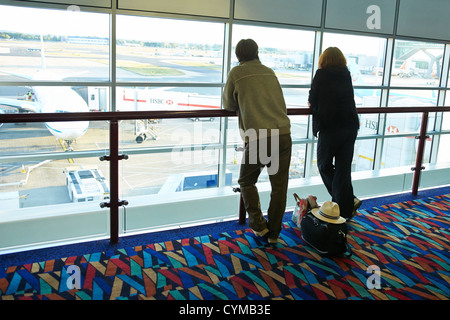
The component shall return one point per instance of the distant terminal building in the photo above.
(87, 40)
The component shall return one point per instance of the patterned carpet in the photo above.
(408, 241)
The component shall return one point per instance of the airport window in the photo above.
(364, 155)
(168, 50)
(365, 56)
(175, 171)
(49, 181)
(296, 169)
(288, 52)
(147, 133)
(410, 122)
(296, 97)
(178, 64)
(167, 98)
(165, 132)
(369, 98)
(23, 138)
(53, 45)
(299, 127)
(298, 159)
(443, 149)
(446, 116)
(402, 151)
(417, 64)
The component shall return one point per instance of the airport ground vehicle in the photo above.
(86, 184)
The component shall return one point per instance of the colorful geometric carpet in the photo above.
(406, 244)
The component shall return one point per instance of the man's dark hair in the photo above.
(246, 50)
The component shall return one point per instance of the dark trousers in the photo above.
(251, 168)
(334, 160)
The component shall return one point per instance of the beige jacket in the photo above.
(253, 90)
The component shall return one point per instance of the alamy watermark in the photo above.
(374, 279)
(263, 148)
(374, 20)
(74, 279)
(73, 8)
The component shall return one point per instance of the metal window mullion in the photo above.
(441, 102)
(226, 67)
(310, 147)
(112, 57)
(384, 102)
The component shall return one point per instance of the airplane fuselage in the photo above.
(62, 100)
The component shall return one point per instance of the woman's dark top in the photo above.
(332, 101)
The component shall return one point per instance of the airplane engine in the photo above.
(141, 138)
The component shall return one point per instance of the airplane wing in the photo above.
(22, 106)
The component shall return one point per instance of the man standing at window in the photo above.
(253, 91)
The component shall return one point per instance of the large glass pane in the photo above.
(298, 159)
(299, 127)
(368, 98)
(53, 99)
(444, 150)
(417, 63)
(53, 136)
(55, 45)
(288, 52)
(31, 183)
(365, 56)
(167, 98)
(400, 123)
(446, 119)
(297, 98)
(170, 172)
(168, 50)
(398, 152)
(296, 169)
(166, 132)
(364, 155)
(169, 132)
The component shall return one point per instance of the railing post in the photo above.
(242, 212)
(114, 202)
(114, 180)
(420, 149)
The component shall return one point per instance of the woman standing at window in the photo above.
(336, 123)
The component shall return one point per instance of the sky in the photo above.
(55, 22)
(77, 23)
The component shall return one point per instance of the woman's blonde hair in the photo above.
(332, 57)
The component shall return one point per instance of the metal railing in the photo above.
(114, 157)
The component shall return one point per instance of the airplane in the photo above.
(136, 99)
(43, 99)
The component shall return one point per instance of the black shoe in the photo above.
(356, 204)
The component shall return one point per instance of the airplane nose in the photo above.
(68, 130)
